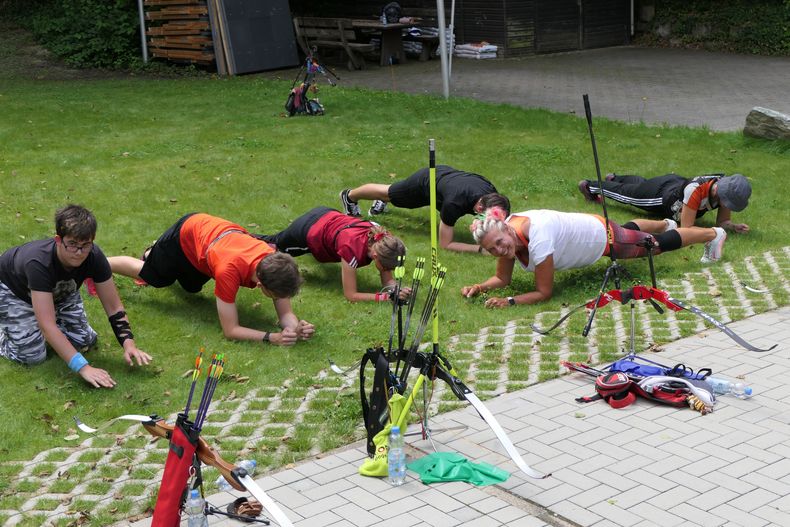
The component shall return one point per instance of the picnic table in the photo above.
(391, 38)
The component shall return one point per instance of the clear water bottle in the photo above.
(195, 509)
(396, 457)
(383, 19)
(247, 464)
(741, 390)
(719, 386)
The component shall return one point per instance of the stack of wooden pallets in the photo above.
(180, 30)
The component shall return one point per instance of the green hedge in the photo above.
(744, 26)
(85, 33)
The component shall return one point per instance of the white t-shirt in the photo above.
(575, 240)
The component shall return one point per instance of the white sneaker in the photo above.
(671, 224)
(714, 248)
(377, 208)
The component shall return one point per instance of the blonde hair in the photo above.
(490, 220)
(388, 248)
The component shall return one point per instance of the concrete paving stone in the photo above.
(317, 507)
(673, 497)
(738, 517)
(779, 486)
(557, 494)
(466, 515)
(708, 464)
(595, 495)
(634, 495)
(616, 514)
(363, 498)
(679, 450)
(309, 469)
(489, 504)
(434, 517)
(712, 498)
(614, 478)
(322, 518)
(777, 469)
(575, 477)
(287, 476)
(655, 514)
(683, 478)
(287, 495)
(331, 461)
(527, 521)
(395, 507)
(575, 513)
(508, 514)
(334, 474)
(361, 517)
(570, 421)
(637, 422)
(754, 499)
(556, 409)
(742, 467)
(439, 500)
(354, 454)
(403, 519)
(755, 452)
(729, 482)
(642, 453)
(696, 516)
(591, 464)
(700, 437)
(303, 485)
(342, 523)
(327, 489)
(773, 514)
(596, 434)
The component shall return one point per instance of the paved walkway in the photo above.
(643, 465)
(632, 84)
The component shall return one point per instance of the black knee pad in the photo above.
(669, 241)
(631, 226)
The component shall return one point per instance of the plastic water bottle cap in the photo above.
(194, 494)
(747, 390)
(395, 430)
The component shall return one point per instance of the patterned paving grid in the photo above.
(110, 477)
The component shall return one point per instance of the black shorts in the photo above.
(413, 192)
(166, 262)
(293, 239)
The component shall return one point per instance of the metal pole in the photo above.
(443, 48)
(141, 12)
(452, 42)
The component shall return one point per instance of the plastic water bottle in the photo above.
(719, 386)
(741, 390)
(396, 458)
(383, 19)
(195, 509)
(247, 464)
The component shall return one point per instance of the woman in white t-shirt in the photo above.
(544, 241)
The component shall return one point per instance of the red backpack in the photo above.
(617, 389)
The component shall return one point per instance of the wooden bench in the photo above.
(334, 33)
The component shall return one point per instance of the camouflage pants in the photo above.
(21, 339)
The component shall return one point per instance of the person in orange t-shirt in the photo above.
(199, 247)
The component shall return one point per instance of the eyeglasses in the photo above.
(77, 248)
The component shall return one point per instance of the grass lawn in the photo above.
(142, 152)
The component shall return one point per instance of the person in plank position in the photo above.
(545, 241)
(200, 247)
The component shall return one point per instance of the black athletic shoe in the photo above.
(349, 207)
(377, 208)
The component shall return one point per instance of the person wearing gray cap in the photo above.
(676, 198)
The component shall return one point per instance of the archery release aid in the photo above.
(396, 458)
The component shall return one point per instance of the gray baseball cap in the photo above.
(734, 192)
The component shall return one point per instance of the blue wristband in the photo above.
(77, 362)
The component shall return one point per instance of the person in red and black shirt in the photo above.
(677, 198)
(200, 247)
(457, 193)
(331, 236)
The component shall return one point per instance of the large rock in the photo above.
(767, 124)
